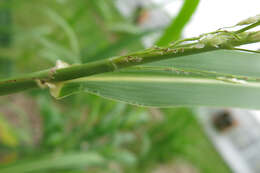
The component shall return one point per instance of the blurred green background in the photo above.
(86, 133)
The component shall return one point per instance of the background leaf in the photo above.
(74, 160)
(174, 30)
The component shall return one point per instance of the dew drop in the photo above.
(232, 80)
(238, 81)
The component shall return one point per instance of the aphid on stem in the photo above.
(133, 59)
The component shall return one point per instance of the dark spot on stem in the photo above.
(42, 82)
(166, 50)
(168, 69)
(52, 72)
(133, 59)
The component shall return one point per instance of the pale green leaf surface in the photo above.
(225, 84)
(73, 160)
(222, 61)
(7, 136)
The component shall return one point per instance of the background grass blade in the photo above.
(174, 30)
(67, 28)
(76, 160)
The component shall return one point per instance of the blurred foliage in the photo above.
(174, 30)
(85, 133)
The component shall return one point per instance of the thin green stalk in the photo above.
(248, 27)
(53, 75)
(245, 50)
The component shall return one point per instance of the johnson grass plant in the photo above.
(79, 49)
(145, 78)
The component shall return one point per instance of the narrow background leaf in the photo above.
(174, 30)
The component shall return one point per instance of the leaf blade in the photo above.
(164, 91)
(210, 81)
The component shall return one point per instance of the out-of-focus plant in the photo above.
(85, 133)
(135, 78)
